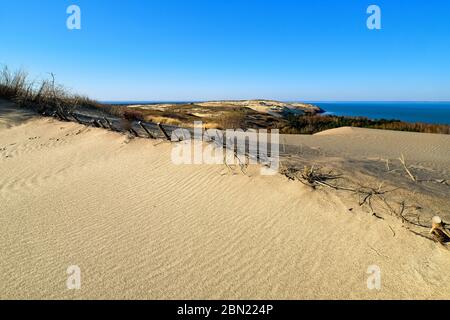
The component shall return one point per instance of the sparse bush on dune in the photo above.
(13, 85)
(133, 115)
(47, 96)
(44, 95)
(129, 116)
(231, 121)
(115, 110)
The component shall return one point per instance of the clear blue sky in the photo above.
(234, 49)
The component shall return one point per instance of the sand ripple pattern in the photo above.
(140, 227)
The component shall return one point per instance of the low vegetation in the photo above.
(310, 124)
(185, 114)
(43, 96)
(49, 97)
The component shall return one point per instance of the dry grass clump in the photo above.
(43, 96)
(129, 116)
(314, 176)
(115, 110)
(164, 120)
(124, 112)
(234, 120)
(132, 115)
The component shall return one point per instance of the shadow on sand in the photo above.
(11, 115)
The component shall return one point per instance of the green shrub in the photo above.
(310, 124)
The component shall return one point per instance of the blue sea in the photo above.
(427, 112)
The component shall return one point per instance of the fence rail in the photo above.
(151, 130)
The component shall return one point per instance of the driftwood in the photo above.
(438, 231)
(315, 177)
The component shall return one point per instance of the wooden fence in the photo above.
(153, 130)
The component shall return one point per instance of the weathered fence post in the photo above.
(61, 116)
(108, 123)
(104, 126)
(58, 115)
(146, 130)
(163, 131)
(134, 132)
(95, 123)
(76, 118)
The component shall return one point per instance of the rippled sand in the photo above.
(141, 227)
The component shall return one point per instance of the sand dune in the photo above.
(360, 142)
(141, 227)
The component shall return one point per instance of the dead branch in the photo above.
(402, 160)
(438, 230)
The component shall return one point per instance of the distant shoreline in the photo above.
(431, 112)
(411, 112)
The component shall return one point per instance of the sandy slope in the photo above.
(140, 227)
(373, 143)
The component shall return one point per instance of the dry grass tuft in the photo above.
(42, 96)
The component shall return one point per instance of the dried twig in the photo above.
(402, 160)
